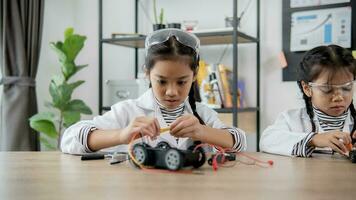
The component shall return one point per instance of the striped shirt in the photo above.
(169, 115)
(83, 137)
(327, 123)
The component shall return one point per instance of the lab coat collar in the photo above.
(349, 122)
(147, 101)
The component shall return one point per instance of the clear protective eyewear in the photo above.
(329, 89)
(163, 35)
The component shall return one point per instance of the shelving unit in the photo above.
(232, 37)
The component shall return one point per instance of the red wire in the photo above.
(215, 164)
(257, 161)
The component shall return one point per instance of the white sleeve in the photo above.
(239, 139)
(75, 137)
(302, 149)
(280, 138)
(210, 117)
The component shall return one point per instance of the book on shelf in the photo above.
(226, 91)
(215, 86)
(208, 86)
(241, 89)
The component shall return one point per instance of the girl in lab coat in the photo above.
(171, 64)
(326, 123)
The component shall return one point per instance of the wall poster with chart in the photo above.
(311, 23)
(320, 27)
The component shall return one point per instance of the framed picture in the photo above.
(311, 23)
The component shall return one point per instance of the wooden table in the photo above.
(53, 175)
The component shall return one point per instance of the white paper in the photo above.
(307, 3)
(320, 27)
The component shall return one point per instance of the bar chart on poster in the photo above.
(320, 27)
(310, 23)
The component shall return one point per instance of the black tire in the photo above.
(210, 161)
(173, 159)
(202, 158)
(140, 153)
(163, 145)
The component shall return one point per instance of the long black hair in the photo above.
(332, 58)
(174, 50)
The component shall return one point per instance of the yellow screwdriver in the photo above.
(162, 130)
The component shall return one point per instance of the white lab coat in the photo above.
(122, 113)
(291, 127)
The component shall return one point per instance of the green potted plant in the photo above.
(158, 18)
(66, 111)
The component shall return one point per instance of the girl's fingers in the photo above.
(340, 145)
(176, 122)
(187, 122)
(336, 148)
(147, 132)
(158, 127)
(183, 118)
(185, 132)
(177, 128)
(354, 135)
(347, 139)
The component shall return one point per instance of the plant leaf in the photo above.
(58, 48)
(70, 117)
(80, 67)
(58, 79)
(72, 46)
(68, 69)
(68, 32)
(43, 116)
(61, 94)
(47, 143)
(74, 85)
(44, 122)
(79, 106)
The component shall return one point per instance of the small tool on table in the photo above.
(116, 157)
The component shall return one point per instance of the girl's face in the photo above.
(332, 96)
(171, 82)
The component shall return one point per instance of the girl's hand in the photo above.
(333, 139)
(147, 126)
(187, 126)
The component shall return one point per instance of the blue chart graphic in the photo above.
(327, 33)
(320, 27)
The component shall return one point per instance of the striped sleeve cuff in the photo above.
(238, 139)
(83, 137)
(302, 149)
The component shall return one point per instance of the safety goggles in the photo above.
(183, 37)
(328, 89)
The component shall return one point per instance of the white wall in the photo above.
(82, 16)
(276, 95)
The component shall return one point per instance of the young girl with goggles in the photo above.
(171, 65)
(327, 122)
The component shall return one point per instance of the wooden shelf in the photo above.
(206, 38)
